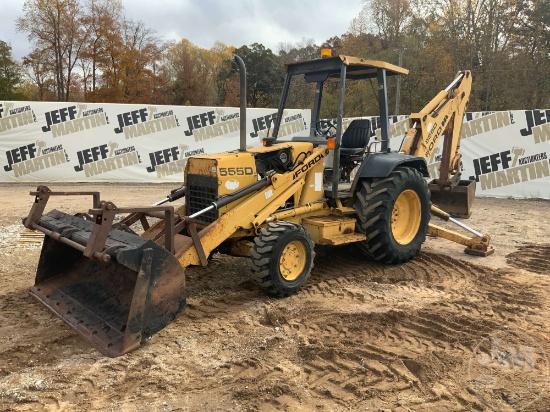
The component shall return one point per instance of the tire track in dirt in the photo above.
(358, 334)
(445, 318)
(531, 257)
(353, 341)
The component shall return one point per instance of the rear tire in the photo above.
(282, 258)
(394, 213)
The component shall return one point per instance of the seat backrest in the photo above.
(357, 134)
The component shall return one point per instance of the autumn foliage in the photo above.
(87, 50)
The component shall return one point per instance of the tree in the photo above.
(305, 49)
(301, 93)
(119, 60)
(55, 27)
(531, 43)
(221, 54)
(103, 23)
(41, 74)
(389, 18)
(264, 75)
(505, 43)
(130, 66)
(10, 74)
(193, 72)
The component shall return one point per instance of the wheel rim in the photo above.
(293, 260)
(406, 216)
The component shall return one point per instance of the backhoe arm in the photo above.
(442, 116)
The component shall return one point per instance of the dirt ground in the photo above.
(444, 332)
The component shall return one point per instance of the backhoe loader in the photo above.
(272, 203)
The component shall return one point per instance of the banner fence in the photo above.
(505, 152)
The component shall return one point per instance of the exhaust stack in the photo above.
(242, 92)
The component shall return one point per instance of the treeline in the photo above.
(87, 50)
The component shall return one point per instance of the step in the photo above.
(332, 230)
(343, 239)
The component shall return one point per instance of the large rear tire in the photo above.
(394, 213)
(282, 258)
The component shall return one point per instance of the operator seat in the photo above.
(352, 148)
(355, 139)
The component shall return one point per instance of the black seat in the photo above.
(356, 138)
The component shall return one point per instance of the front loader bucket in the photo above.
(455, 200)
(113, 305)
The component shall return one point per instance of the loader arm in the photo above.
(249, 214)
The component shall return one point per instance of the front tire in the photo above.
(282, 258)
(394, 213)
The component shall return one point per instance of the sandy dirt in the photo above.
(444, 332)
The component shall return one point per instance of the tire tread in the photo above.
(374, 204)
(264, 246)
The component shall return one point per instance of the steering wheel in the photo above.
(325, 128)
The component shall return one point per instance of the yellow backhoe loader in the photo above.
(273, 203)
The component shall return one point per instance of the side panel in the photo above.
(235, 171)
(209, 177)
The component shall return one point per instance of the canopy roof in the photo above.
(357, 68)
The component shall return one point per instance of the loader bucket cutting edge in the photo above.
(456, 200)
(112, 305)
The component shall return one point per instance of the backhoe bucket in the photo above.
(455, 200)
(113, 304)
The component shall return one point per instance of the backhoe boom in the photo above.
(442, 116)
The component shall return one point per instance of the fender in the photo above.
(382, 164)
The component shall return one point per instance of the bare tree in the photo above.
(55, 28)
(102, 20)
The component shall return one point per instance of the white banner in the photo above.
(78, 142)
(506, 152)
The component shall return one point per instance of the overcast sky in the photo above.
(234, 22)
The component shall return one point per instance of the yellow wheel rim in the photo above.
(293, 260)
(406, 217)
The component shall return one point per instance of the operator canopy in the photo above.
(319, 70)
